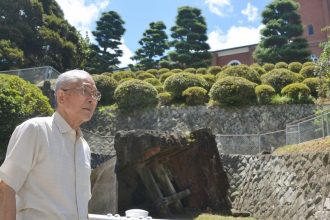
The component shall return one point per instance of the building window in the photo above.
(234, 63)
(310, 29)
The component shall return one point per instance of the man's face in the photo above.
(80, 100)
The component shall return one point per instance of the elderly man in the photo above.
(46, 173)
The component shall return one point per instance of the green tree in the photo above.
(109, 30)
(281, 38)
(189, 39)
(39, 30)
(154, 43)
(10, 56)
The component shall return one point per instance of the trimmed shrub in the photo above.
(264, 94)
(233, 91)
(122, 74)
(309, 71)
(164, 76)
(160, 89)
(195, 95)
(135, 94)
(201, 70)
(309, 63)
(190, 70)
(125, 80)
(241, 70)
(268, 67)
(153, 81)
(152, 71)
(19, 100)
(298, 93)
(214, 70)
(210, 78)
(280, 100)
(259, 69)
(164, 98)
(163, 70)
(278, 78)
(295, 67)
(106, 85)
(281, 65)
(313, 84)
(176, 70)
(177, 83)
(145, 75)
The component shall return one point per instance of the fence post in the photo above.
(327, 123)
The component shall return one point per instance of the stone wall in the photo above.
(247, 120)
(280, 187)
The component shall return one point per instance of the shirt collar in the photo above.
(63, 126)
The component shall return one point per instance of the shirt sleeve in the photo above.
(21, 155)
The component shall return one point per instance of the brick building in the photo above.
(315, 15)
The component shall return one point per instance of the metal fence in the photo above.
(35, 75)
(310, 128)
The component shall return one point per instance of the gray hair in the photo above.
(69, 77)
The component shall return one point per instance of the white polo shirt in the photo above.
(48, 165)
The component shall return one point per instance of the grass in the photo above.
(217, 217)
(319, 145)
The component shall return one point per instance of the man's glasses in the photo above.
(86, 90)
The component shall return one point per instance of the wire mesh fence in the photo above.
(310, 128)
(35, 75)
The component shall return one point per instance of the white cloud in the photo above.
(219, 7)
(235, 37)
(250, 12)
(127, 54)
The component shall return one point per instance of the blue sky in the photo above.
(230, 23)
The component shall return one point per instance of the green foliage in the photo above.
(201, 70)
(308, 63)
(163, 70)
(164, 76)
(177, 83)
(189, 36)
(268, 67)
(122, 74)
(125, 80)
(281, 38)
(190, 70)
(264, 94)
(154, 43)
(152, 71)
(242, 70)
(295, 67)
(106, 85)
(176, 70)
(210, 78)
(195, 95)
(233, 91)
(135, 94)
(19, 100)
(313, 84)
(153, 81)
(278, 78)
(309, 71)
(259, 69)
(298, 93)
(105, 55)
(10, 55)
(145, 75)
(165, 98)
(159, 89)
(280, 65)
(280, 100)
(214, 70)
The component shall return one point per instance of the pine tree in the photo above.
(153, 46)
(281, 38)
(189, 34)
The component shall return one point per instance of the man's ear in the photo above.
(60, 96)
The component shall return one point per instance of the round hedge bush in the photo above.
(233, 91)
(280, 65)
(259, 69)
(264, 94)
(106, 85)
(122, 74)
(214, 70)
(19, 100)
(164, 98)
(152, 71)
(190, 70)
(278, 78)
(153, 81)
(195, 95)
(177, 83)
(210, 78)
(201, 70)
(135, 94)
(299, 93)
(164, 76)
(309, 71)
(163, 70)
(295, 67)
(176, 70)
(241, 70)
(308, 63)
(268, 67)
(313, 84)
(145, 75)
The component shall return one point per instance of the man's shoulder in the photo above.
(37, 121)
